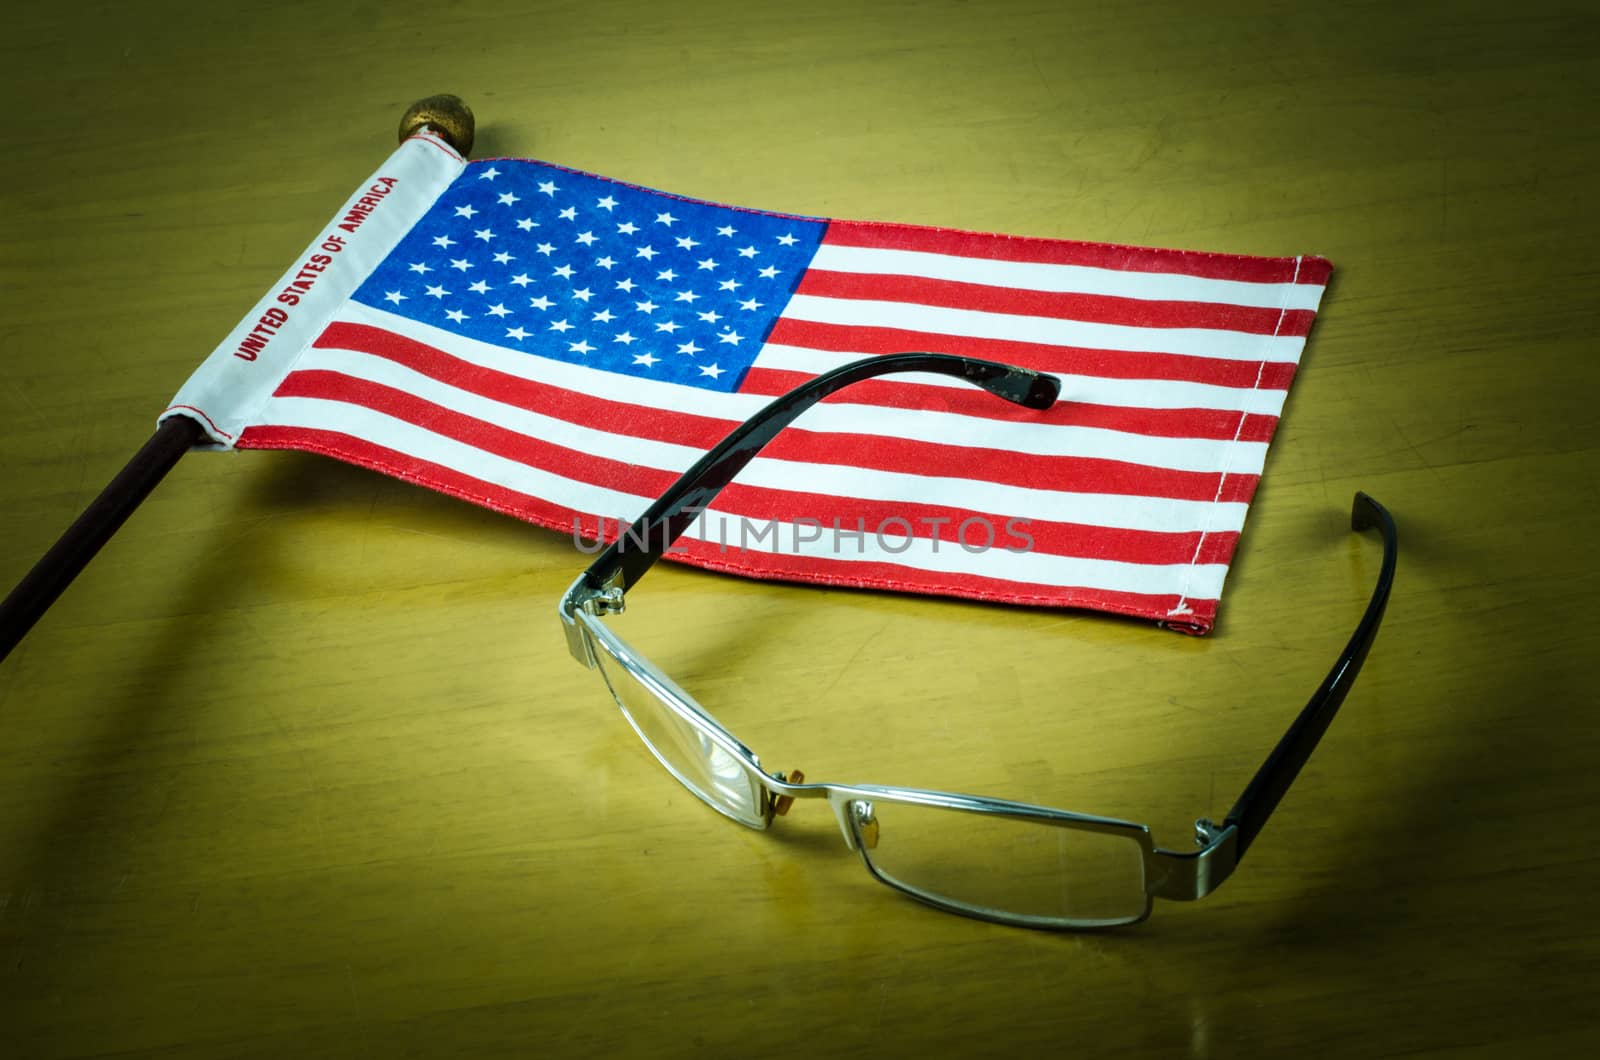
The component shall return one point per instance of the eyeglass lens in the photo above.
(1001, 864)
(690, 754)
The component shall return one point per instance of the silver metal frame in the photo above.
(1166, 873)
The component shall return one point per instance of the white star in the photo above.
(688, 242)
(522, 279)
(626, 285)
(607, 203)
(541, 302)
(627, 228)
(466, 211)
(489, 174)
(419, 267)
(751, 304)
(581, 346)
(731, 338)
(548, 187)
(499, 310)
(725, 230)
(747, 252)
(504, 257)
(546, 249)
(443, 241)
(769, 272)
(710, 369)
(787, 240)
(711, 316)
(605, 316)
(484, 234)
(665, 219)
(395, 296)
(708, 264)
(560, 325)
(687, 296)
(436, 292)
(563, 271)
(645, 359)
(569, 214)
(460, 263)
(730, 285)
(479, 288)
(507, 199)
(625, 338)
(666, 276)
(583, 294)
(516, 333)
(668, 326)
(646, 253)
(527, 224)
(585, 238)
(690, 348)
(645, 306)
(456, 315)
(604, 263)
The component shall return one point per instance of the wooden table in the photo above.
(301, 766)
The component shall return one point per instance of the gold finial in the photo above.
(446, 115)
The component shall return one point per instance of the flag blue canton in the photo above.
(576, 268)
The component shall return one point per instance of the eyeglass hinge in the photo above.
(608, 599)
(608, 602)
(583, 596)
(1186, 877)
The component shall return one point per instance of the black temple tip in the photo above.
(1363, 512)
(1042, 391)
(1031, 390)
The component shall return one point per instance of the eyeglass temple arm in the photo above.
(1191, 875)
(667, 519)
(1272, 780)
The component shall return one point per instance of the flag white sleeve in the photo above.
(226, 392)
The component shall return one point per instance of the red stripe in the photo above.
(814, 570)
(479, 434)
(1069, 474)
(1211, 424)
(705, 431)
(617, 417)
(1100, 309)
(1056, 474)
(858, 574)
(1313, 271)
(1066, 360)
(760, 502)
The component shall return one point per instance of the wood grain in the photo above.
(300, 765)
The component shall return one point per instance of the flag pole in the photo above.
(445, 115)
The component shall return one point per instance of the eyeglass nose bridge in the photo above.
(854, 814)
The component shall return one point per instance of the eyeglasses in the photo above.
(994, 859)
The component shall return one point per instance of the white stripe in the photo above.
(1089, 389)
(1079, 279)
(1106, 510)
(1011, 327)
(1204, 581)
(840, 417)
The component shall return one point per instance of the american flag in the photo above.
(561, 346)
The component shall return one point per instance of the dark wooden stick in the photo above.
(85, 537)
(445, 115)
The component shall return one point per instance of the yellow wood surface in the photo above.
(301, 767)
